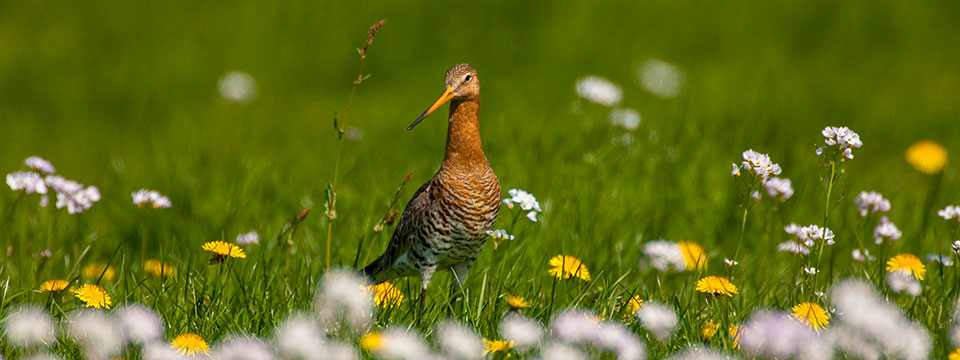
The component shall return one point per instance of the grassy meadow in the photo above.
(124, 96)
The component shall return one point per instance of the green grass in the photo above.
(124, 96)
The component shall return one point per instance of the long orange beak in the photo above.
(447, 95)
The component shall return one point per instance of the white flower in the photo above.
(871, 203)
(524, 332)
(150, 197)
(526, 201)
(699, 352)
(731, 262)
(867, 326)
(811, 270)
(793, 247)
(736, 170)
(459, 341)
(661, 78)
(657, 318)
(249, 238)
(777, 187)
(343, 296)
(628, 119)
(599, 90)
(97, 335)
(842, 138)
(299, 337)
(575, 326)
(29, 182)
(397, 343)
(664, 255)
(886, 230)
(139, 324)
(29, 325)
(237, 87)
(777, 335)
(956, 246)
(755, 195)
(862, 255)
(944, 260)
(819, 293)
(949, 212)
(759, 164)
(73, 195)
(618, 339)
(40, 164)
(160, 351)
(556, 351)
(500, 234)
(239, 347)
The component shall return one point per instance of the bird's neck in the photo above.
(463, 136)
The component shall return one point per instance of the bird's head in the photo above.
(462, 84)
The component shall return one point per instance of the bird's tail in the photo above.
(371, 271)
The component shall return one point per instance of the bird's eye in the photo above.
(467, 78)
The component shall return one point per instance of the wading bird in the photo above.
(444, 225)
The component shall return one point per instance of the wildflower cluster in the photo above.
(150, 197)
(664, 255)
(526, 201)
(842, 140)
(806, 238)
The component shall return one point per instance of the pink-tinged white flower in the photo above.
(811, 270)
(237, 87)
(627, 119)
(72, 195)
(599, 90)
(459, 341)
(949, 212)
(661, 78)
(793, 247)
(96, 333)
(150, 197)
(40, 164)
(664, 255)
(944, 260)
(139, 324)
(396, 343)
(736, 170)
(886, 230)
(862, 255)
(759, 164)
(242, 347)
(776, 335)
(558, 351)
(779, 188)
(660, 320)
(300, 337)
(730, 262)
(523, 331)
(810, 235)
(755, 195)
(28, 326)
(866, 326)
(28, 181)
(699, 352)
(343, 298)
(526, 201)
(871, 203)
(842, 139)
(616, 338)
(248, 238)
(575, 326)
(956, 246)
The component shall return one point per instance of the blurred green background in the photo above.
(123, 95)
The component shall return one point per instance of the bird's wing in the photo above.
(406, 232)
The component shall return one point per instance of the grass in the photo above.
(123, 96)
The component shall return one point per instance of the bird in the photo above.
(444, 225)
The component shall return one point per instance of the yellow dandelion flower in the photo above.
(53, 285)
(94, 296)
(927, 156)
(497, 346)
(811, 314)
(93, 271)
(709, 329)
(159, 268)
(385, 294)
(371, 341)
(955, 355)
(565, 267)
(693, 255)
(517, 302)
(189, 344)
(633, 305)
(716, 285)
(221, 250)
(735, 333)
(907, 262)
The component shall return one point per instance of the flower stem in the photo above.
(743, 228)
(826, 215)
